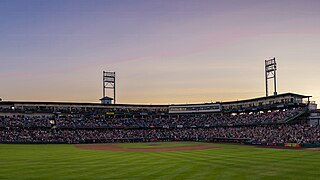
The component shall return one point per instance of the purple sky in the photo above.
(163, 51)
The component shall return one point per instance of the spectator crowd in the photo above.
(202, 120)
(268, 127)
(259, 134)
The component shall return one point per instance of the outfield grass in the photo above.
(229, 162)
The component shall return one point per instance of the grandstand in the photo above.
(247, 121)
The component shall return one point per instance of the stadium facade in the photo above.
(280, 101)
(288, 116)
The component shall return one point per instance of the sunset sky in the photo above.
(163, 51)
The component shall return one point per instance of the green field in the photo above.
(229, 162)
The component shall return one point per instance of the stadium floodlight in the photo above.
(270, 72)
(109, 82)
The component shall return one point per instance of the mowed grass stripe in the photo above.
(257, 164)
(126, 166)
(175, 170)
(154, 171)
(131, 166)
(131, 172)
(254, 156)
(120, 162)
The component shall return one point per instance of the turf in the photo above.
(229, 162)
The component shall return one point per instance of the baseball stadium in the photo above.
(159, 89)
(264, 137)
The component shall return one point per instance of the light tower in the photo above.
(109, 82)
(271, 73)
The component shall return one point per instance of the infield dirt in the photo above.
(114, 147)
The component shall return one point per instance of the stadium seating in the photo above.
(268, 127)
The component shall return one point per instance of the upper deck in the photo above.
(260, 103)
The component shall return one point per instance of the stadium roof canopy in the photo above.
(145, 105)
(268, 97)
